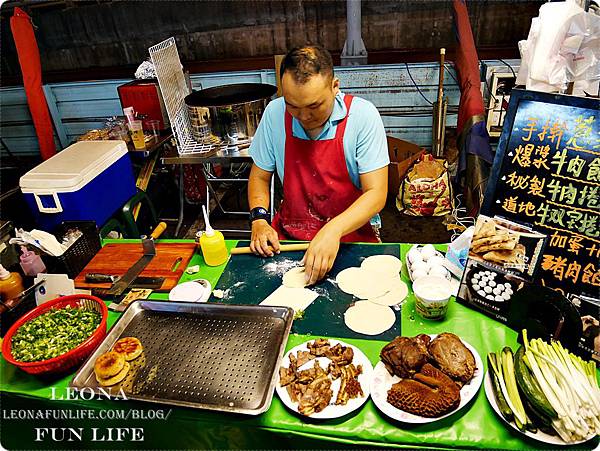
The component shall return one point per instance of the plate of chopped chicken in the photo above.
(324, 379)
(426, 378)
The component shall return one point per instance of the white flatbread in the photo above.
(367, 318)
(297, 298)
(295, 278)
(350, 280)
(387, 264)
(395, 296)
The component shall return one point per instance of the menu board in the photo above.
(546, 175)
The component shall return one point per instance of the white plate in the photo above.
(539, 435)
(382, 381)
(331, 411)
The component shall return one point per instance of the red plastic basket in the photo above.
(69, 359)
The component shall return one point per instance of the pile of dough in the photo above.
(377, 277)
(295, 278)
(296, 298)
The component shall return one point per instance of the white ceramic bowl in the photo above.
(432, 294)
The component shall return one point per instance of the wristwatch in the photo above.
(260, 213)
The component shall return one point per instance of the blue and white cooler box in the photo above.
(88, 180)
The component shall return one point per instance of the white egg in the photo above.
(506, 295)
(438, 271)
(488, 290)
(427, 251)
(417, 274)
(435, 260)
(481, 293)
(492, 284)
(414, 255)
(499, 299)
(419, 266)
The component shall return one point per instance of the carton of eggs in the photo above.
(425, 261)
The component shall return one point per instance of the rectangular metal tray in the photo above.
(208, 356)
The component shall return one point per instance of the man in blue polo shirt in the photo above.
(330, 153)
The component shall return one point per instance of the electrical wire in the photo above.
(417, 86)
(464, 221)
(509, 66)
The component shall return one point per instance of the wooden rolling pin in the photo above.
(282, 248)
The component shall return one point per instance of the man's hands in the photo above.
(321, 253)
(264, 239)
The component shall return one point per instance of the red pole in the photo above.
(29, 59)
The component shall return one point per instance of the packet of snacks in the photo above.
(426, 189)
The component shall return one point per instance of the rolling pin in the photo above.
(282, 248)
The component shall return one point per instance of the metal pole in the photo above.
(354, 52)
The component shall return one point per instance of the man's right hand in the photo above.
(264, 239)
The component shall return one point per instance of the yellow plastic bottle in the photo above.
(212, 244)
(11, 284)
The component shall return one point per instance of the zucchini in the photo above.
(538, 418)
(530, 387)
(500, 400)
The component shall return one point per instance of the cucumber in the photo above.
(538, 418)
(530, 387)
(500, 400)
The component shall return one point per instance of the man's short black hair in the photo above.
(306, 61)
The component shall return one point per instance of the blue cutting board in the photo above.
(249, 279)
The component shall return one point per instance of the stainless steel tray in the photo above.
(208, 356)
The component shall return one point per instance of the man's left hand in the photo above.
(321, 253)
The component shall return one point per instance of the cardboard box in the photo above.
(402, 155)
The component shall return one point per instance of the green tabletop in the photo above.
(475, 426)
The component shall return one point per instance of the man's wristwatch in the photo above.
(260, 213)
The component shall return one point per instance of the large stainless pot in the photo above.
(231, 112)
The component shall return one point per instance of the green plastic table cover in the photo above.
(475, 426)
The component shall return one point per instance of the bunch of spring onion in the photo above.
(570, 385)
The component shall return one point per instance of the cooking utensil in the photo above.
(232, 111)
(149, 252)
(282, 248)
(201, 355)
(153, 283)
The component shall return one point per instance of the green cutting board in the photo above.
(249, 279)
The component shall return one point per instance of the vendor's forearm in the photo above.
(360, 212)
(259, 188)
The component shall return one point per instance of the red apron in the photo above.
(316, 185)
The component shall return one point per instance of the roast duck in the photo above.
(431, 371)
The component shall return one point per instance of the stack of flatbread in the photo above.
(496, 245)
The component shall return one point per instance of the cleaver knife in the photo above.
(149, 249)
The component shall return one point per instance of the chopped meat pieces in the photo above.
(319, 347)
(430, 394)
(316, 397)
(342, 355)
(303, 357)
(453, 357)
(286, 376)
(350, 387)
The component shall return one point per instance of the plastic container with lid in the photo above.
(212, 244)
(31, 263)
(88, 180)
(11, 284)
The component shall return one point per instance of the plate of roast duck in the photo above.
(324, 379)
(425, 378)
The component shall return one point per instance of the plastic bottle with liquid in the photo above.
(212, 244)
(11, 284)
(31, 263)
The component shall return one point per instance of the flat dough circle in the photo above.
(395, 296)
(295, 278)
(374, 284)
(367, 318)
(350, 280)
(387, 264)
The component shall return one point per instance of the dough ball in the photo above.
(295, 278)
(427, 252)
(487, 289)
